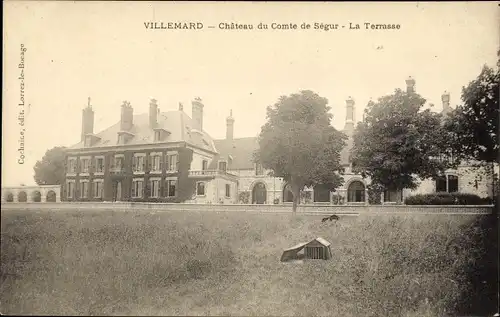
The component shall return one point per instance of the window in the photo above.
(72, 165)
(222, 166)
(138, 165)
(452, 184)
(84, 189)
(172, 164)
(70, 189)
(171, 186)
(98, 189)
(155, 163)
(204, 165)
(119, 160)
(155, 188)
(99, 165)
(200, 189)
(85, 165)
(258, 169)
(88, 140)
(137, 189)
(228, 190)
(392, 195)
(447, 183)
(157, 136)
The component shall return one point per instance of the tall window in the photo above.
(228, 190)
(155, 188)
(447, 183)
(155, 163)
(71, 165)
(137, 188)
(172, 164)
(157, 136)
(85, 165)
(99, 165)
(70, 189)
(171, 185)
(204, 165)
(84, 187)
(200, 188)
(98, 189)
(223, 166)
(138, 165)
(258, 169)
(452, 183)
(119, 162)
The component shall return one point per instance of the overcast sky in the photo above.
(77, 50)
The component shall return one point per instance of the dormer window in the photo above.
(157, 135)
(124, 137)
(223, 166)
(88, 140)
(258, 169)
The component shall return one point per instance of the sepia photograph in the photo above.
(250, 158)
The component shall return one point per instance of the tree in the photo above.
(398, 141)
(50, 169)
(473, 126)
(298, 143)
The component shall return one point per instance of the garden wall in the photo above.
(304, 209)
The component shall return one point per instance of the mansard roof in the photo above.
(240, 151)
(178, 124)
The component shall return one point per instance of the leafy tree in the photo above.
(50, 169)
(398, 141)
(298, 143)
(473, 126)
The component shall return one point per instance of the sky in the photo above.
(102, 50)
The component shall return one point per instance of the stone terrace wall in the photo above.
(302, 209)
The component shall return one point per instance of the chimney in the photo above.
(445, 98)
(87, 120)
(230, 126)
(153, 113)
(127, 117)
(181, 106)
(410, 85)
(197, 113)
(349, 118)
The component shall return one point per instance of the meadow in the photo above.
(195, 263)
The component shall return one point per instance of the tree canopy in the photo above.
(299, 144)
(50, 169)
(397, 141)
(473, 126)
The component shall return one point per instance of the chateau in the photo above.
(169, 157)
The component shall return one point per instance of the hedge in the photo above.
(447, 199)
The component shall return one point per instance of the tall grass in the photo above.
(195, 263)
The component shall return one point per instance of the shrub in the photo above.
(244, 197)
(337, 199)
(445, 199)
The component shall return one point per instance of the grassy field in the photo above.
(195, 263)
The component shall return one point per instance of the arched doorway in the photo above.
(36, 196)
(356, 192)
(9, 197)
(51, 196)
(259, 193)
(287, 194)
(22, 197)
(321, 193)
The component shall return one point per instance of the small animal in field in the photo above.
(331, 218)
